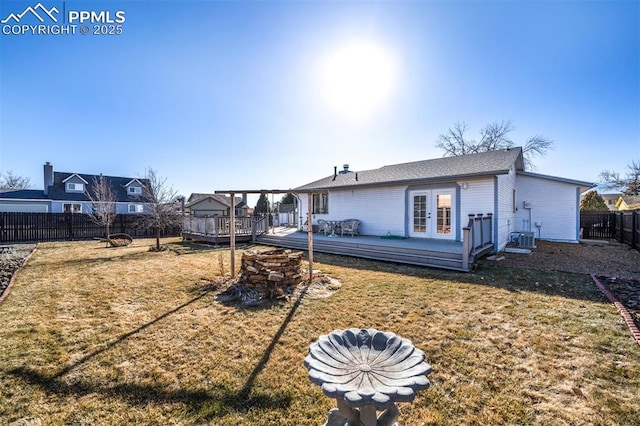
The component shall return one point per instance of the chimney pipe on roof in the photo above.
(346, 168)
(335, 172)
(48, 177)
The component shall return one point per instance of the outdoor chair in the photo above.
(349, 226)
(324, 226)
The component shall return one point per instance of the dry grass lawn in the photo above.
(94, 335)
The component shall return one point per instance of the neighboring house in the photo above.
(204, 205)
(628, 202)
(608, 194)
(66, 192)
(434, 198)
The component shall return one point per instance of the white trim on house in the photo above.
(76, 175)
(74, 207)
(135, 208)
(71, 186)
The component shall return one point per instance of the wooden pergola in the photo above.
(232, 194)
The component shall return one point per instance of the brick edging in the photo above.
(621, 308)
(7, 290)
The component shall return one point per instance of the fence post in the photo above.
(619, 226)
(634, 225)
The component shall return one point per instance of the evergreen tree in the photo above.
(287, 199)
(262, 206)
(593, 202)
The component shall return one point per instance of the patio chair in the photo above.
(349, 226)
(324, 226)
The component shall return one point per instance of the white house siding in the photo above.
(380, 210)
(478, 197)
(553, 205)
(506, 217)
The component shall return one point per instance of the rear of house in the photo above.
(434, 199)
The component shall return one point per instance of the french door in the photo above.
(432, 214)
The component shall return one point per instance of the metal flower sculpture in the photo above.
(367, 367)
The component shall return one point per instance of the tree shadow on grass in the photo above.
(200, 403)
(204, 404)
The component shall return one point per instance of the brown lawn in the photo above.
(95, 335)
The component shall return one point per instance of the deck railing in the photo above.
(476, 236)
(219, 226)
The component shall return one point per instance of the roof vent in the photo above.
(345, 169)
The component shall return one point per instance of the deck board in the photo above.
(432, 253)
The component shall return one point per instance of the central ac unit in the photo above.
(527, 240)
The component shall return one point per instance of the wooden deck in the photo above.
(424, 252)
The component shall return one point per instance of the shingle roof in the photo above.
(195, 198)
(632, 201)
(24, 194)
(472, 165)
(57, 190)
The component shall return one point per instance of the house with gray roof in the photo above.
(207, 205)
(434, 199)
(67, 192)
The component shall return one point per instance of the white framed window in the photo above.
(136, 208)
(75, 186)
(72, 207)
(320, 203)
(135, 190)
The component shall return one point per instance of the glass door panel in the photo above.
(443, 214)
(420, 213)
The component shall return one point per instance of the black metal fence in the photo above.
(620, 226)
(23, 227)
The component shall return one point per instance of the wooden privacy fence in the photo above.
(621, 226)
(22, 227)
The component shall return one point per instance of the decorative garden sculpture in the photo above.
(366, 370)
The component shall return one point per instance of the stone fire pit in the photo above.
(271, 272)
(366, 370)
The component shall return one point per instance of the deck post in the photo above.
(310, 234)
(481, 222)
(232, 232)
(466, 231)
(216, 229)
(253, 229)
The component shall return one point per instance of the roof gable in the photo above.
(195, 198)
(132, 181)
(117, 183)
(472, 165)
(75, 175)
(628, 202)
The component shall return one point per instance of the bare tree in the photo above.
(9, 181)
(160, 211)
(493, 137)
(630, 183)
(103, 201)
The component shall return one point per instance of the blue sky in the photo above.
(231, 95)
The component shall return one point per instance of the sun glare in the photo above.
(357, 79)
